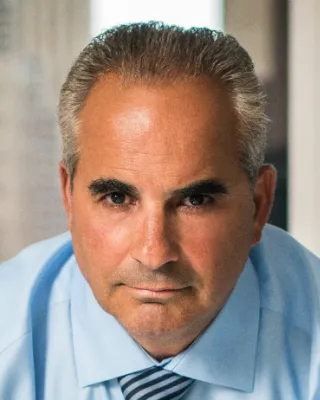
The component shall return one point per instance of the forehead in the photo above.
(185, 126)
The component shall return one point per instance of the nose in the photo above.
(156, 242)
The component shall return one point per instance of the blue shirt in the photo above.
(56, 343)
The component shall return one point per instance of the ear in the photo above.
(66, 191)
(263, 197)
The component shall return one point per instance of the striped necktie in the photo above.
(154, 384)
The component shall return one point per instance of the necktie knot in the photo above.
(155, 383)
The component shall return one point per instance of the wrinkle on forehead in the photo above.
(171, 130)
(138, 107)
(136, 120)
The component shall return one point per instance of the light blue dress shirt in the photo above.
(56, 343)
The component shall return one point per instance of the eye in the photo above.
(116, 199)
(198, 200)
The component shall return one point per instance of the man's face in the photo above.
(161, 214)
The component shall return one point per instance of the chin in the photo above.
(155, 320)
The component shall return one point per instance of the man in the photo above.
(174, 286)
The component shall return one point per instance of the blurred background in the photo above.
(39, 39)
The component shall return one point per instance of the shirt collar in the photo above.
(223, 355)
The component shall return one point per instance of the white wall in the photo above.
(107, 13)
(304, 122)
(43, 38)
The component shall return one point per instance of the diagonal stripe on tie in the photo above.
(174, 393)
(140, 378)
(149, 386)
(154, 384)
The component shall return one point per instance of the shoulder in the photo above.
(289, 277)
(27, 282)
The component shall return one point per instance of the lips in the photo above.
(152, 294)
(164, 289)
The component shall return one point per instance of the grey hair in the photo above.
(154, 51)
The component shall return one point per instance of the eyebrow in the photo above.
(105, 185)
(206, 186)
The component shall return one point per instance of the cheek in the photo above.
(102, 244)
(218, 248)
(204, 249)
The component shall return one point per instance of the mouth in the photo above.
(149, 293)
